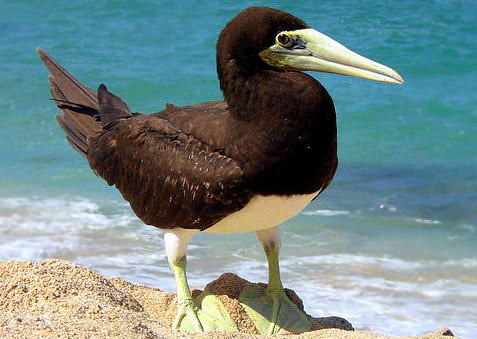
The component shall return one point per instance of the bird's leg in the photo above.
(272, 241)
(206, 312)
(185, 303)
(272, 311)
(176, 241)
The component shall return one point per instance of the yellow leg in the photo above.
(271, 310)
(274, 280)
(186, 306)
(206, 312)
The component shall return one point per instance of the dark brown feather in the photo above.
(111, 107)
(208, 122)
(69, 95)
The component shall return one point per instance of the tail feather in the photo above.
(85, 111)
(86, 124)
(77, 92)
(111, 107)
(75, 140)
(78, 103)
(71, 138)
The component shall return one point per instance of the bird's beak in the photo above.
(310, 50)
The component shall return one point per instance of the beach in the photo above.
(60, 299)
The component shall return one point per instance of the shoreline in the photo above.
(61, 299)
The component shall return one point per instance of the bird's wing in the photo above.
(170, 177)
(170, 166)
(206, 121)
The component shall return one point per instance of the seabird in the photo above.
(247, 163)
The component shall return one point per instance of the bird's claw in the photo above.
(187, 317)
(205, 313)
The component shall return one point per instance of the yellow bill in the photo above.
(310, 50)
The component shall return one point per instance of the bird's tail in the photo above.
(85, 111)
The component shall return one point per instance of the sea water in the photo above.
(390, 245)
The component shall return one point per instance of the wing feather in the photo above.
(170, 178)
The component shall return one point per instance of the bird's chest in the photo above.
(263, 212)
(294, 168)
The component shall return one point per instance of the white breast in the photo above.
(262, 212)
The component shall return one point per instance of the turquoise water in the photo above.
(391, 245)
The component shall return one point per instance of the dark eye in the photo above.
(284, 40)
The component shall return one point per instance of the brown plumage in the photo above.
(189, 167)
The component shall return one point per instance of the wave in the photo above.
(355, 259)
(47, 213)
(427, 221)
(325, 213)
(39, 228)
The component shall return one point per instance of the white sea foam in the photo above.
(465, 263)
(427, 221)
(390, 208)
(40, 228)
(325, 213)
(468, 227)
(387, 304)
(354, 259)
(45, 213)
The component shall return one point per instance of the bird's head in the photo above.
(265, 37)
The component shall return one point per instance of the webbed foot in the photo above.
(272, 311)
(205, 313)
(187, 318)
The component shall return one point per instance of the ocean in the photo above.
(391, 245)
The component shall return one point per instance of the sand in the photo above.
(60, 299)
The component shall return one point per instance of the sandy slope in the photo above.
(59, 299)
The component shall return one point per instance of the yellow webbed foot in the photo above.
(205, 313)
(272, 311)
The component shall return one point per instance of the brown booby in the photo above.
(247, 163)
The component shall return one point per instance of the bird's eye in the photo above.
(284, 40)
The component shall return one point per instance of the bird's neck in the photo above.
(282, 102)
